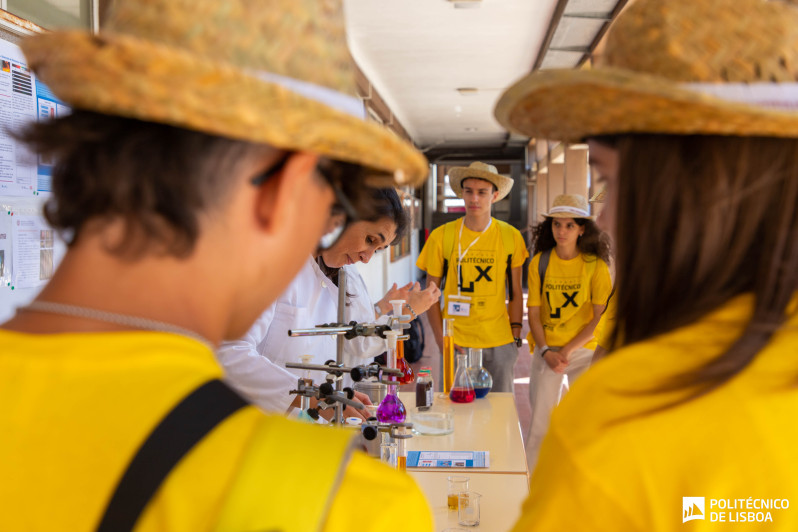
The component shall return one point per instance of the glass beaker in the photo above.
(463, 388)
(480, 377)
(468, 508)
(455, 485)
(448, 355)
(389, 454)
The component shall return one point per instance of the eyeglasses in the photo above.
(342, 212)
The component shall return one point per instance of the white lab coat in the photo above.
(255, 364)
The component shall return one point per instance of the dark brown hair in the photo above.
(383, 203)
(592, 242)
(157, 178)
(701, 219)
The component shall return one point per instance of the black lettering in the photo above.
(570, 299)
(483, 273)
(553, 315)
(463, 288)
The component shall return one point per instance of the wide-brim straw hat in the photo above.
(480, 170)
(711, 67)
(276, 73)
(569, 206)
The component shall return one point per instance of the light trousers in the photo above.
(546, 389)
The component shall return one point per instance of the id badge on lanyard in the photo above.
(458, 305)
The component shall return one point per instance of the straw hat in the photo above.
(673, 66)
(569, 206)
(484, 171)
(277, 73)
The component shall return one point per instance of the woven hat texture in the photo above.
(484, 171)
(720, 67)
(569, 206)
(274, 72)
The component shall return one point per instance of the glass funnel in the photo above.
(480, 377)
(463, 388)
(401, 363)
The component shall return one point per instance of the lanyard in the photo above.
(461, 254)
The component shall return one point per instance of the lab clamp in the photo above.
(331, 392)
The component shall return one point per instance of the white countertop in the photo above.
(500, 505)
(487, 424)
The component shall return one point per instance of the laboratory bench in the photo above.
(489, 424)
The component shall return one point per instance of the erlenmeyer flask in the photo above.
(463, 389)
(391, 409)
(480, 377)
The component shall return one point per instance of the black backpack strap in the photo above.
(542, 266)
(177, 433)
(510, 275)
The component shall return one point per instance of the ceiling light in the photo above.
(467, 91)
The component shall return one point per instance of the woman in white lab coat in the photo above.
(255, 364)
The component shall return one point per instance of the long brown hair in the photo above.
(701, 219)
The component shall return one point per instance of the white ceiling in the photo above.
(417, 53)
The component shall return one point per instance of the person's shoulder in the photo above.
(441, 229)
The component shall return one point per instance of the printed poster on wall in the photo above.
(33, 247)
(23, 99)
(5, 248)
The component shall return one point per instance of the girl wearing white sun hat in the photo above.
(569, 284)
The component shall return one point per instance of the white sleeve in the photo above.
(361, 309)
(257, 378)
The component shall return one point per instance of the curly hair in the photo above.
(593, 242)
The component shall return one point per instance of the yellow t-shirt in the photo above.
(612, 461)
(76, 407)
(570, 290)
(484, 276)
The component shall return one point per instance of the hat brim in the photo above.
(572, 105)
(567, 215)
(126, 76)
(456, 176)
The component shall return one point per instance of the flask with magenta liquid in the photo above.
(462, 389)
(401, 363)
(480, 377)
(391, 409)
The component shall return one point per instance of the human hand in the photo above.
(394, 293)
(420, 300)
(556, 361)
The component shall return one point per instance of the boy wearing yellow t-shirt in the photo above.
(479, 255)
(194, 177)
